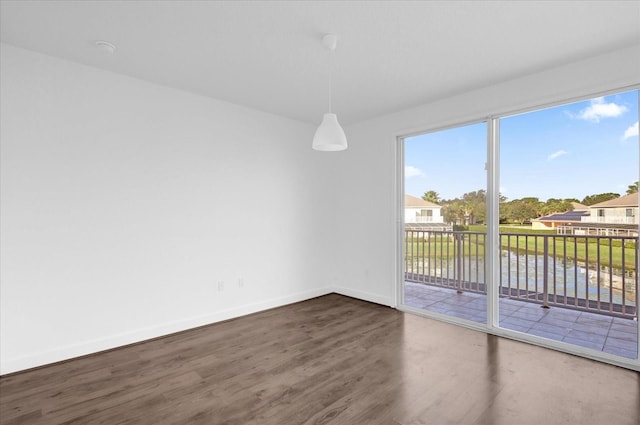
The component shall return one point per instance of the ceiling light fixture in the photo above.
(330, 136)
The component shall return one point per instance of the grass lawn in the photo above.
(606, 252)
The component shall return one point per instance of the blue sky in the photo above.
(569, 151)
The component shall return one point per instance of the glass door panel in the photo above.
(444, 221)
(569, 223)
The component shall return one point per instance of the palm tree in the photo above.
(431, 196)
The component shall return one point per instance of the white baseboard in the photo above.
(101, 344)
(365, 296)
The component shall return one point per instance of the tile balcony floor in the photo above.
(590, 330)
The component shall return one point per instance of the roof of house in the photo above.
(623, 201)
(428, 226)
(573, 216)
(577, 206)
(412, 201)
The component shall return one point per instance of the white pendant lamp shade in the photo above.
(329, 136)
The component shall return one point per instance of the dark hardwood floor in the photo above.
(330, 360)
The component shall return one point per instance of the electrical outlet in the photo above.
(241, 282)
(220, 286)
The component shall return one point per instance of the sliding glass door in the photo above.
(561, 184)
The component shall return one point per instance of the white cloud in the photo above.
(410, 171)
(556, 154)
(599, 109)
(632, 131)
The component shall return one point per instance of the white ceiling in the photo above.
(268, 55)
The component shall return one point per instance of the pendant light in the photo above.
(330, 136)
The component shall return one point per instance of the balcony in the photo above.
(610, 220)
(575, 289)
(424, 219)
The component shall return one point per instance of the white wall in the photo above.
(125, 203)
(365, 260)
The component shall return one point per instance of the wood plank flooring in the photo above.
(330, 360)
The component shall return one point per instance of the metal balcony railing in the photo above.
(610, 220)
(590, 273)
(425, 219)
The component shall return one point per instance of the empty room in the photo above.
(319, 212)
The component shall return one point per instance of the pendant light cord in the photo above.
(331, 79)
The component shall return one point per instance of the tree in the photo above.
(556, 206)
(522, 210)
(474, 206)
(471, 208)
(633, 188)
(600, 197)
(453, 211)
(431, 196)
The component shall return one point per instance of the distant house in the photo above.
(423, 215)
(558, 219)
(623, 210)
(616, 217)
(418, 210)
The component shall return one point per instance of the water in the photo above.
(567, 278)
(519, 271)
